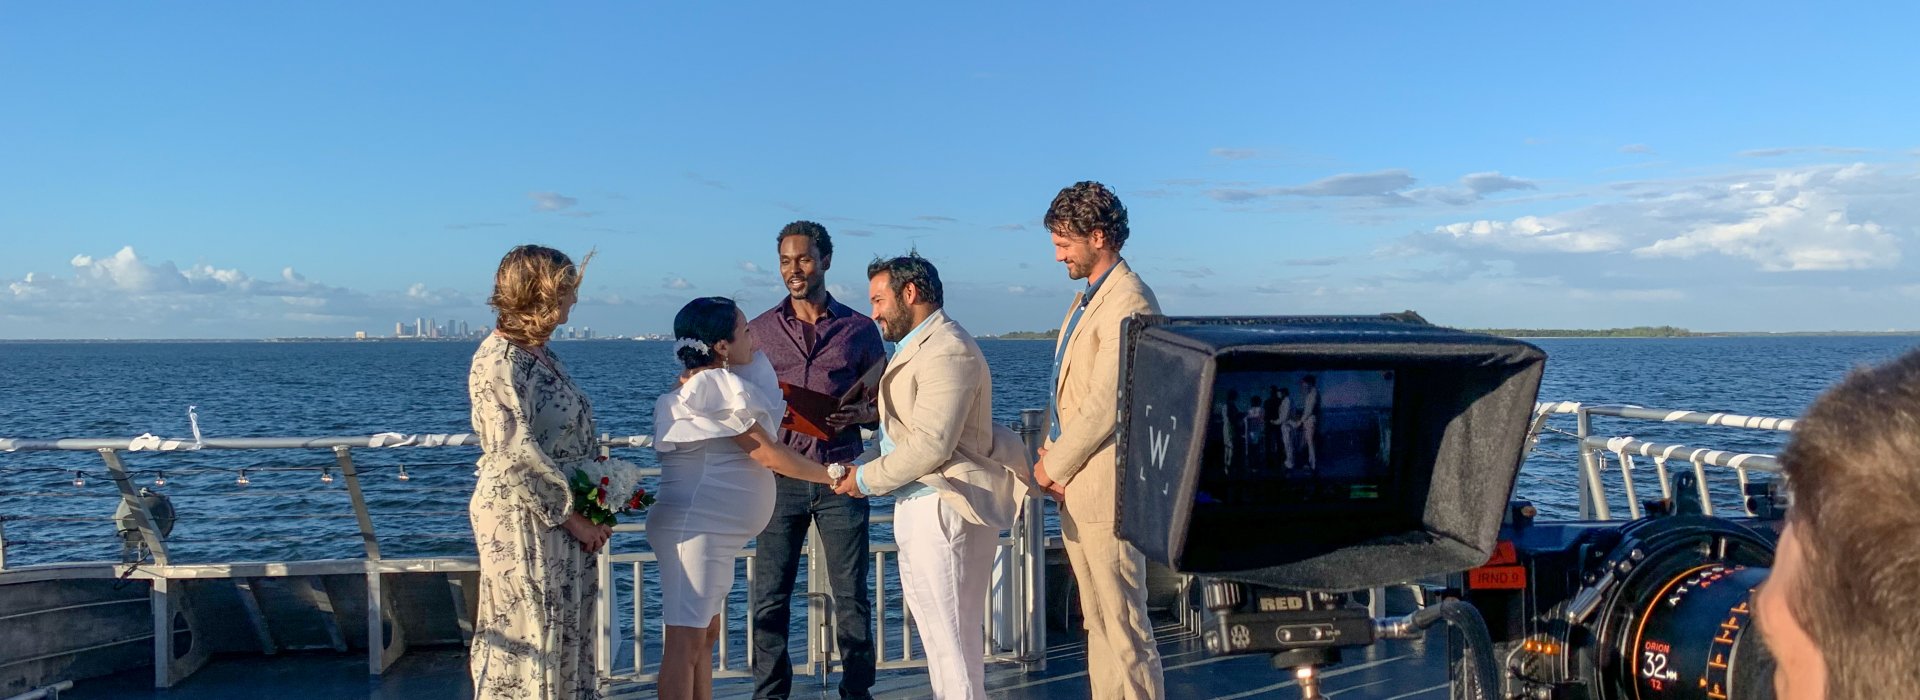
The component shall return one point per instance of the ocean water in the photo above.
(57, 390)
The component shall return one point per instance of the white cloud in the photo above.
(1234, 153)
(1796, 150)
(752, 268)
(676, 283)
(1375, 184)
(1383, 187)
(125, 295)
(1530, 233)
(551, 201)
(1815, 218)
(1637, 149)
(1809, 230)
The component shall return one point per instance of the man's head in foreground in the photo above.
(1841, 611)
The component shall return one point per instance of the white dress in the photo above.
(713, 498)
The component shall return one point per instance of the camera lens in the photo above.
(1695, 638)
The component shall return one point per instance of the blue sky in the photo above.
(242, 170)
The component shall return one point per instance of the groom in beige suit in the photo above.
(1089, 225)
(952, 481)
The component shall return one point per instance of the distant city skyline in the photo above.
(260, 170)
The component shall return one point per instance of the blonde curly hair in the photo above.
(531, 290)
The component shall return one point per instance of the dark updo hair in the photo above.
(708, 320)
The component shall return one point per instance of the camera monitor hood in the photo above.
(1319, 452)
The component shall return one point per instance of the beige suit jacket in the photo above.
(936, 404)
(1088, 391)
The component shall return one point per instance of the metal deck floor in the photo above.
(1390, 671)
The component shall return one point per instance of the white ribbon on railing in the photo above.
(151, 442)
(417, 440)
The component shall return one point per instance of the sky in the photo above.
(244, 170)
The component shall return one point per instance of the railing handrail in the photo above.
(149, 443)
(1730, 420)
(1594, 448)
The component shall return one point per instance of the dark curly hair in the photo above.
(910, 269)
(708, 320)
(814, 232)
(1086, 207)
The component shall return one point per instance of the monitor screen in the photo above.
(1296, 441)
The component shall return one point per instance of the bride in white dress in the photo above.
(715, 436)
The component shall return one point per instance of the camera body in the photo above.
(1658, 607)
(1252, 619)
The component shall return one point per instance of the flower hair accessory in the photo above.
(695, 343)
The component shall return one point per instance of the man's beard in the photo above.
(896, 327)
(1078, 271)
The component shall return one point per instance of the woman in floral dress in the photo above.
(533, 632)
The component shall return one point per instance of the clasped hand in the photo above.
(592, 537)
(848, 485)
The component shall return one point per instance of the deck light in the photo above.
(243, 480)
(78, 480)
(403, 474)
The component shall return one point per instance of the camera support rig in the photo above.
(1306, 630)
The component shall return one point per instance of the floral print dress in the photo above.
(533, 631)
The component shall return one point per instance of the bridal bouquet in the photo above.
(605, 488)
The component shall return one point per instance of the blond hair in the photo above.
(530, 291)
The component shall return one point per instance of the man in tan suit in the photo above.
(953, 483)
(1089, 225)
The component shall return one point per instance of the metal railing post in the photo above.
(1626, 478)
(1593, 496)
(603, 611)
(344, 456)
(1700, 480)
(1030, 537)
(817, 649)
(3, 545)
(142, 519)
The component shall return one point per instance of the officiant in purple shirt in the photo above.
(820, 344)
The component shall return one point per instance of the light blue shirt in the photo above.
(912, 488)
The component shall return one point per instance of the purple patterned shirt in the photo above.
(828, 356)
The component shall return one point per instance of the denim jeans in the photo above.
(843, 534)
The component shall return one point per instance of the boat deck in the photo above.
(1409, 670)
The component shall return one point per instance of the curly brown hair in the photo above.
(1085, 207)
(1856, 511)
(531, 290)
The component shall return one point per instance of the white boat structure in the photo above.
(377, 625)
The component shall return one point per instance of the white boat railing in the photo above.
(1016, 630)
(1595, 450)
(1017, 606)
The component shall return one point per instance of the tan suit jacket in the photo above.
(936, 404)
(1083, 456)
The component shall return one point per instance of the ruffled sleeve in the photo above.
(719, 403)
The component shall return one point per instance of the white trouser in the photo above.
(946, 564)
